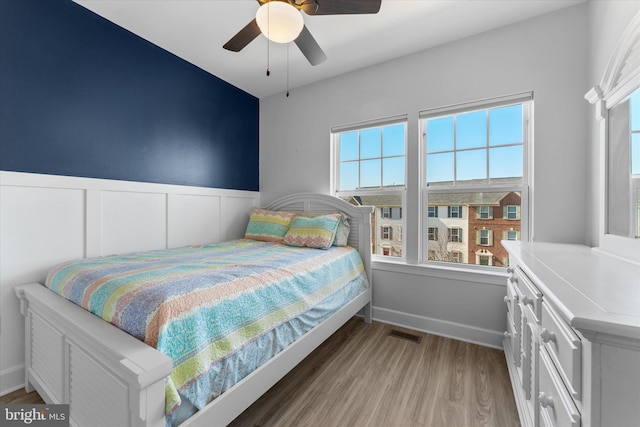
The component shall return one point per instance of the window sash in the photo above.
(505, 101)
(361, 127)
(520, 185)
(455, 235)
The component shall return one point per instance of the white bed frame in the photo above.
(110, 378)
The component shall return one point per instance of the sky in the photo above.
(480, 147)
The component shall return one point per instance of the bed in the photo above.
(111, 378)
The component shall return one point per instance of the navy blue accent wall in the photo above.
(81, 96)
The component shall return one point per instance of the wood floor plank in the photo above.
(20, 397)
(373, 379)
(362, 376)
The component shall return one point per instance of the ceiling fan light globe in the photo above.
(279, 21)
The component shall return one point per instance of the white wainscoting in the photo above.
(47, 219)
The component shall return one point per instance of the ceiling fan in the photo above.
(281, 21)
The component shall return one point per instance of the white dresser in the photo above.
(573, 336)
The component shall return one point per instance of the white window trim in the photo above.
(414, 250)
(396, 190)
(525, 209)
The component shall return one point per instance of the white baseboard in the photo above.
(458, 331)
(11, 379)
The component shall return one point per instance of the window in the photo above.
(456, 257)
(454, 211)
(635, 159)
(455, 235)
(484, 260)
(369, 169)
(485, 212)
(433, 233)
(433, 211)
(387, 233)
(475, 162)
(511, 212)
(484, 237)
(393, 213)
(511, 235)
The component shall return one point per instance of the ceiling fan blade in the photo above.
(340, 7)
(244, 37)
(310, 47)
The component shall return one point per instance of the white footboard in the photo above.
(108, 377)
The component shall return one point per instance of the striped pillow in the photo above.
(317, 232)
(268, 226)
(342, 233)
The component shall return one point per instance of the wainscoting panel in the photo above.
(235, 216)
(133, 222)
(193, 219)
(48, 219)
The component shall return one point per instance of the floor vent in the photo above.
(405, 336)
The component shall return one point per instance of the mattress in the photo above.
(218, 311)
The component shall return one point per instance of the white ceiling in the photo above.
(195, 30)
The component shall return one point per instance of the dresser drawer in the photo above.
(531, 297)
(513, 337)
(555, 406)
(511, 299)
(564, 347)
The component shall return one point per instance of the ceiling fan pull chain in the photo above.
(268, 41)
(268, 57)
(288, 44)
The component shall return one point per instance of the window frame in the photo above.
(398, 190)
(455, 235)
(386, 230)
(507, 215)
(484, 215)
(458, 212)
(490, 184)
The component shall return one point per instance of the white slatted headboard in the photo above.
(359, 218)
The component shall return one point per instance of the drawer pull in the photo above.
(507, 300)
(527, 300)
(547, 335)
(545, 401)
(513, 279)
(507, 334)
(510, 270)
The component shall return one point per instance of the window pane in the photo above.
(635, 110)
(386, 235)
(393, 171)
(440, 134)
(469, 238)
(635, 154)
(348, 176)
(440, 167)
(471, 130)
(393, 140)
(370, 143)
(370, 173)
(505, 125)
(349, 146)
(471, 164)
(506, 162)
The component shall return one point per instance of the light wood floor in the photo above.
(361, 376)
